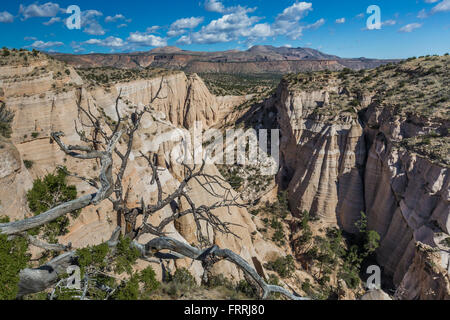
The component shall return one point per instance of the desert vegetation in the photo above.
(52, 200)
(239, 84)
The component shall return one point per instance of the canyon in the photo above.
(350, 143)
(256, 60)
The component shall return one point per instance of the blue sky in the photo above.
(409, 27)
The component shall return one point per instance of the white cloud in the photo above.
(214, 6)
(340, 21)
(41, 45)
(180, 26)
(389, 23)
(52, 21)
(236, 24)
(442, 6)
(77, 48)
(217, 6)
(90, 24)
(152, 29)
(316, 24)
(110, 42)
(48, 10)
(227, 28)
(410, 27)
(6, 17)
(295, 12)
(146, 40)
(360, 16)
(123, 25)
(186, 23)
(431, 1)
(422, 14)
(30, 38)
(115, 18)
(287, 22)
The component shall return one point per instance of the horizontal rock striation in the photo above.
(338, 161)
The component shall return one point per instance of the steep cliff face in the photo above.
(322, 159)
(347, 148)
(425, 279)
(48, 103)
(185, 99)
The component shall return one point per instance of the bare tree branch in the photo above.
(187, 251)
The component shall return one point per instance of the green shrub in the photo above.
(148, 278)
(183, 276)
(92, 256)
(219, 281)
(6, 118)
(129, 290)
(247, 289)
(13, 258)
(284, 266)
(48, 193)
(126, 256)
(28, 164)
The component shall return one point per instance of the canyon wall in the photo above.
(43, 94)
(338, 165)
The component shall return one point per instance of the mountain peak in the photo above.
(168, 49)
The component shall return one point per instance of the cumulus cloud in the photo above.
(422, 14)
(217, 6)
(389, 23)
(316, 24)
(340, 21)
(152, 29)
(287, 22)
(214, 6)
(110, 42)
(146, 40)
(181, 26)
(410, 27)
(187, 23)
(41, 45)
(442, 6)
(237, 23)
(52, 21)
(227, 28)
(90, 24)
(47, 10)
(117, 17)
(6, 17)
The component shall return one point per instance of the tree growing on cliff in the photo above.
(100, 144)
(6, 117)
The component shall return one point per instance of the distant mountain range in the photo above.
(258, 59)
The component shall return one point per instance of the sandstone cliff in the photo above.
(356, 143)
(43, 93)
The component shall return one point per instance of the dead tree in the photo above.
(102, 146)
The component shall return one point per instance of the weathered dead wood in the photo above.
(104, 192)
(182, 250)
